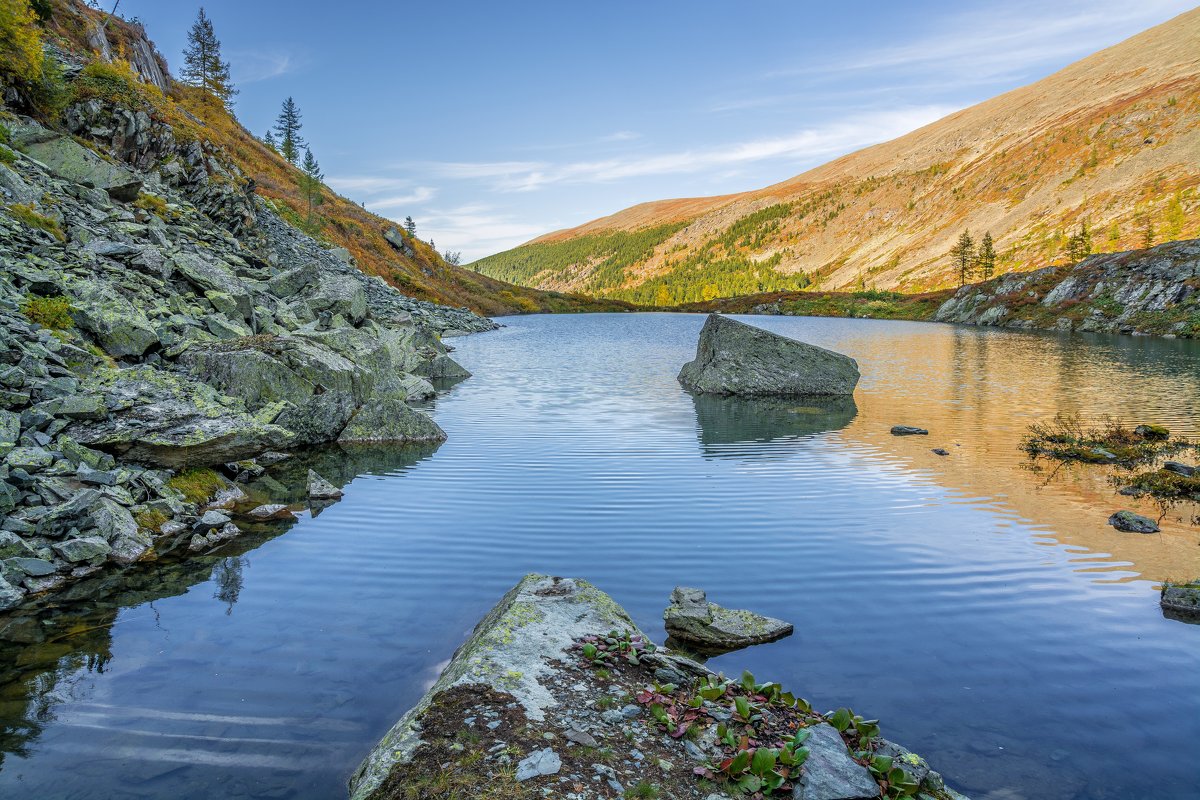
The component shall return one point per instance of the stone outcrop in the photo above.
(156, 316)
(1182, 599)
(733, 358)
(1139, 291)
(526, 705)
(711, 629)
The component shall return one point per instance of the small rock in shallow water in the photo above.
(941, 451)
(538, 763)
(1182, 599)
(321, 489)
(1132, 523)
(271, 510)
(908, 430)
(707, 626)
(1152, 432)
(1180, 469)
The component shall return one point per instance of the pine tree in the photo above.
(288, 126)
(1079, 246)
(310, 182)
(1148, 234)
(202, 64)
(986, 258)
(269, 141)
(962, 255)
(410, 226)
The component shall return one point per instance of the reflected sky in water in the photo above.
(982, 610)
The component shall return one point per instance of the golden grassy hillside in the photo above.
(1112, 141)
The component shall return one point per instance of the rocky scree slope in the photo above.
(81, 37)
(155, 317)
(1110, 140)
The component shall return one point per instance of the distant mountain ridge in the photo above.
(1112, 141)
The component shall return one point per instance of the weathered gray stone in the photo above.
(84, 548)
(537, 764)
(830, 773)
(120, 327)
(390, 421)
(209, 520)
(710, 628)
(271, 510)
(535, 623)
(1132, 523)
(320, 489)
(35, 567)
(10, 596)
(30, 459)
(12, 546)
(74, 162)
(735, 358)
(1182, 598)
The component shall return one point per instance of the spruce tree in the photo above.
(202, 64)
(1079, 246)
(962, 255)
(310, 182)
(288, 127)
(986, 257)
(269, 141)
(410, 226)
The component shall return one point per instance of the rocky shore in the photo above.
(557, 693)
(158, 318)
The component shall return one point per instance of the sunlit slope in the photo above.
(1112, 140)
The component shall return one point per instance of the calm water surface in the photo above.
(981, 609)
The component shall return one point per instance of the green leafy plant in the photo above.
(895, 780)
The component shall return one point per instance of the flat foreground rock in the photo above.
(735, 358)
(558, 694)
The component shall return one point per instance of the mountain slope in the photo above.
(1112, 140)
(85, 35)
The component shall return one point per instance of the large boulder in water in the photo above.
(735, 358)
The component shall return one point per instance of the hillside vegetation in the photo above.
(120, 64)
(1110, 142)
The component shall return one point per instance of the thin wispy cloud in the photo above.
(1004, 41)
(478, 229)
(259, 65)
(808, 145)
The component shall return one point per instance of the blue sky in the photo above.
(491, 123)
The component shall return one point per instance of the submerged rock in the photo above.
(711, 629)
(908, 430)
(735, 358)
(1132, 523)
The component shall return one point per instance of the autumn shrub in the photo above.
(26, 213)
(20, 42)
(49, 312)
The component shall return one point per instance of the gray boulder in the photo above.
(120, 327)
(1183, 599)
(830, 773)
(1132, 523)
(390, 420)
(71, 161)
(735, 358)
(166, 419)
(320, 489)
(709, 628)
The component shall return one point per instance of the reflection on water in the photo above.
(727, 420)
(986, 613)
